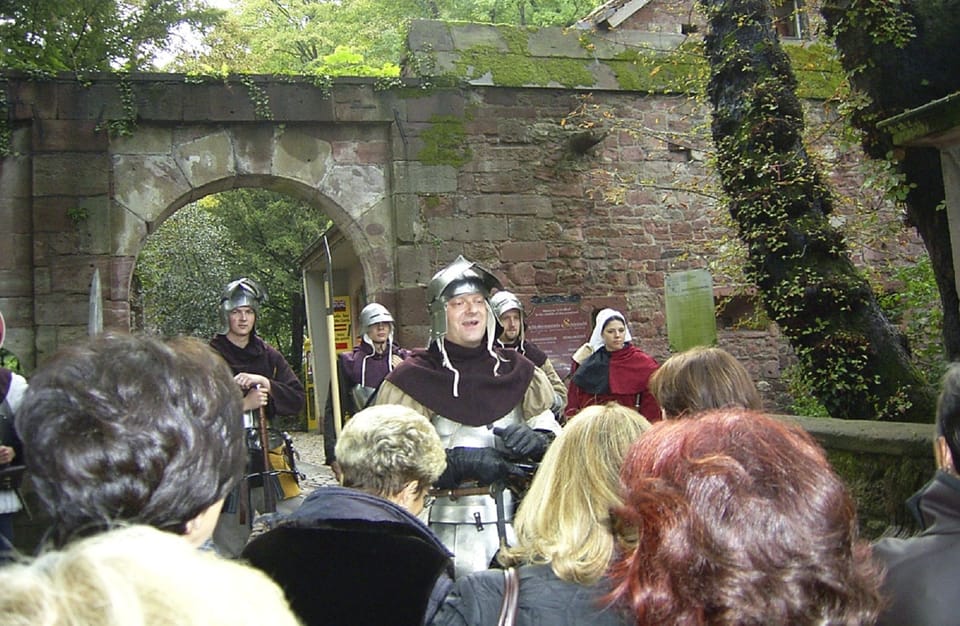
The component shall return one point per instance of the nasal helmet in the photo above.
(241, 292)
(459, 278)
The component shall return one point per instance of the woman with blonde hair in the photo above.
(700, 379)
(564, 539)
(138, 576)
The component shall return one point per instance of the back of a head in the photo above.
(701, 379)
(128, 428)
(948, 411)
(743, 522)
(138, 576)
(384, 447)
(563, 519)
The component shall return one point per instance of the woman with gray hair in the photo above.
(365, 536)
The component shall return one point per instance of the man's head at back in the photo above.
(127, 428)
(947, 447)
(509, 311)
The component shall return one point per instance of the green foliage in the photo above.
(802, 393)
(351, 37)
(181, 271)
(270, 232)
(93, 35)
(915, 305)
(10, 361)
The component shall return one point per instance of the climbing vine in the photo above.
(781, 207)
(124, 125)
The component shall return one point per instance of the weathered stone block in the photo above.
(507, 204)
(468, 229)
(302, 157)
(68, 136)
(523, 251)
(71, 174)
(414, 177)
(206, 159)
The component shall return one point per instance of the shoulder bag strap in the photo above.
(511, 595)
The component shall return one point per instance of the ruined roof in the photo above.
(611, 14)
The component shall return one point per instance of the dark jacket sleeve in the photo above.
(286, 390)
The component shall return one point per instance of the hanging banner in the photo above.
(691, 317)
(342, 339)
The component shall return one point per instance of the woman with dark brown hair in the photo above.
(700, 379)
(737, 518)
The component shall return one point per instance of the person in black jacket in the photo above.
(922, 571)
(357, 553)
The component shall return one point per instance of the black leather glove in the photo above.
(523, 441)
(485, 465)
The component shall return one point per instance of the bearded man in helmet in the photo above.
(362, 370)
(511, 333)
(491, 408)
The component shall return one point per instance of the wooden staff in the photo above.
(269, 495)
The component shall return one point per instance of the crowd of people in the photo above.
(475, 486)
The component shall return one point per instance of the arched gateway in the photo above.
(77, 197)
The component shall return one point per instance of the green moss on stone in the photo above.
(682, 71)
(516, 37)
(444, 142)
(881, 484)
(514, 70)
(817, 69)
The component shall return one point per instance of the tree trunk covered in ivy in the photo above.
(853, 357)
(902, 54)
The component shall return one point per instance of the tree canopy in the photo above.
(93, 35)
(350, 37)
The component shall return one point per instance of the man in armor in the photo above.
(266, 380)
(491, 408)
(512, 327)
(362, 370)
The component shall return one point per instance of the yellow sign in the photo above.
(342, 339)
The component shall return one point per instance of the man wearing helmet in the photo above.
(512, 327)
(362, 370)
(490, 406)
(266, 380)
(261, 371)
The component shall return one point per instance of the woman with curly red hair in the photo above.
(737, 518)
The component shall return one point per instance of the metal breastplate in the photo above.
(472, 509)
(454, 434)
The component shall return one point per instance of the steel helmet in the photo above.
(459, 278)
(504, 301)
(241, 292)
(374, 313)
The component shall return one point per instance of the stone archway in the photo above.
(78, 198)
